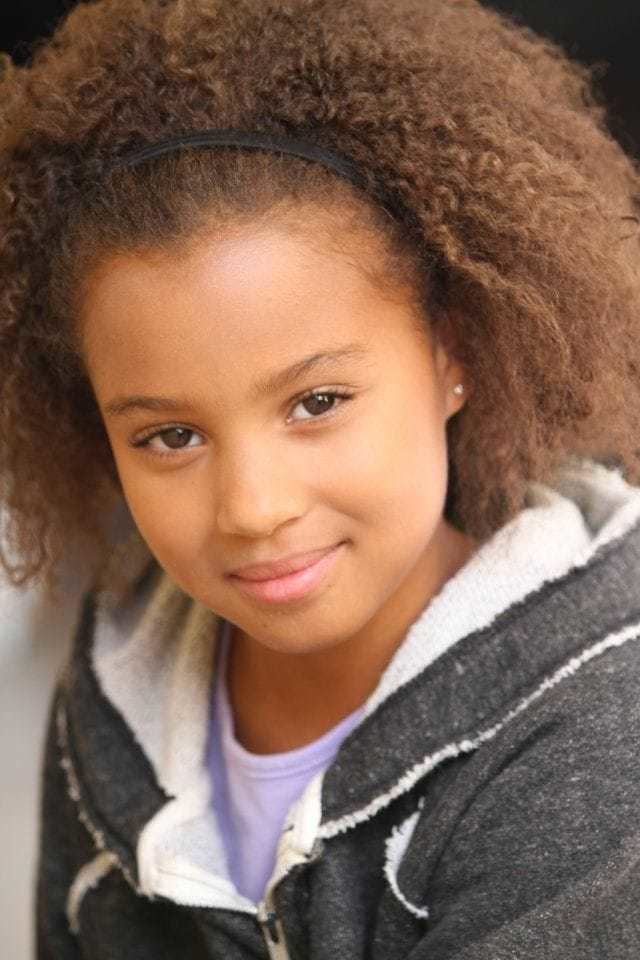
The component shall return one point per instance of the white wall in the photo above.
(34, 636)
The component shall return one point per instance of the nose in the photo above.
(258, 491)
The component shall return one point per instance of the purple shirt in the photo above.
(253, 792)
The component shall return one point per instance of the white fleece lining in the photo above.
(160, 686)
(164, 870)
(86, 879)
(182, 882)
(299, 833)
(395, 848)
(189, 701)
(333, 827)
(517, 561)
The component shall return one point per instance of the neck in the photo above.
(281, 701)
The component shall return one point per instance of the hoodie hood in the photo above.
(525, 610)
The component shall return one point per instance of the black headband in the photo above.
(250, 140)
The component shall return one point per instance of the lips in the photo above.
(280, 568)
(312, 574)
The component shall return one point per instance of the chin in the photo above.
(299, 635)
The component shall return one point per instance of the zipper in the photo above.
(295, 846)
(272, 929)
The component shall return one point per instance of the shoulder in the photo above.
(557, 788)
(545, 814)
(588, 707)
(577, 729)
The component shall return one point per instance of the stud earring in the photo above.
(459, 389)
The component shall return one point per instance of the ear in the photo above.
(451, 372)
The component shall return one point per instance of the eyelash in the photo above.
(144, 442)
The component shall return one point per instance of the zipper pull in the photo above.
(272, 931)
(270, 924)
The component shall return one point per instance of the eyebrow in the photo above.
(120, 406)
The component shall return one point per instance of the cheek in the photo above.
(169, 513)
(397, 469)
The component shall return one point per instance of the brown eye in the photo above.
(176, 437)
(171, 438)
(319, 402)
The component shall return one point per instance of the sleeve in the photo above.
(59, 835)
(541, 858)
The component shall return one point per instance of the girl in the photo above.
(341, 300)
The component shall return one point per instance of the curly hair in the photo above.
(522, 227)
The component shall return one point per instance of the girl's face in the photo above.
(265, 398)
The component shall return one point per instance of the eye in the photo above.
(168, 439)
(317, 403)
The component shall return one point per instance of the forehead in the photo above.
(251, 300)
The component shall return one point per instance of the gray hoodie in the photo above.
(486, 807)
